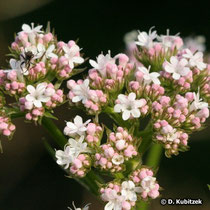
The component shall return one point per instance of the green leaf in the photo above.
(208, 186)
(49, 115)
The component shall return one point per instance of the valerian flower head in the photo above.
(195, 60)
(72, 55)
(197, 102)
(129, 106)
(101, 63)
(146, 39)
(37, 95)
(149, 77)
(176, 67)
(76, 128)
(129, 190)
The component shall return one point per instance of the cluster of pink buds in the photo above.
(144, 179)
(6, 127)
(109, 75)
(80, 166)
(38, 71)
(81, 94)
(11, 82)
(120, 147)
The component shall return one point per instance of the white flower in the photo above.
(37, 95)
(129, 190)
(78, 127)
(130, 37)
(129, 106)
(149, 77)
(101, 63)
(75, 208)
(146, 40)
(118, 159)
(77, 147)
(177, 67)
(71, 53)
(81, 92)
(167, 40)
(114, 200)
(195, 60)
(147, 184)
(171, 136)
(64, 158)
(20, 69)
(46, 53)
(31, 29)
(197, 103)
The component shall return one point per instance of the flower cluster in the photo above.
(120, 147)
(176, 118)
(144, 179)
(40, 53)
(107, 74)
(140, 185)
(43, 96)
(80, 94)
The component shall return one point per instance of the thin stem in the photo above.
(54, 131)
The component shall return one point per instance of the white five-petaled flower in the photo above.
(64, 158)
(78, 127)
(129, 190)
(129, 106)
(101, 63)
(147, 184)
(75, 208)
(114, 200)
(197, 103)
(42, 52)
(72, 54)
(195, 60)
(118, 159)
(81, 92)
(149, 77)
(146, 39)
(176, 67)
(78, 146)
(31, 29)
(37, 95)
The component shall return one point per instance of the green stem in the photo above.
(54, 131)
(17, 115)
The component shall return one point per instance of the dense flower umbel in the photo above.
(81, 94)
(48, 55)
(120, 147)
(176, 118)
(109, 75)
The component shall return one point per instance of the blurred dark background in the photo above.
(29, 178)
